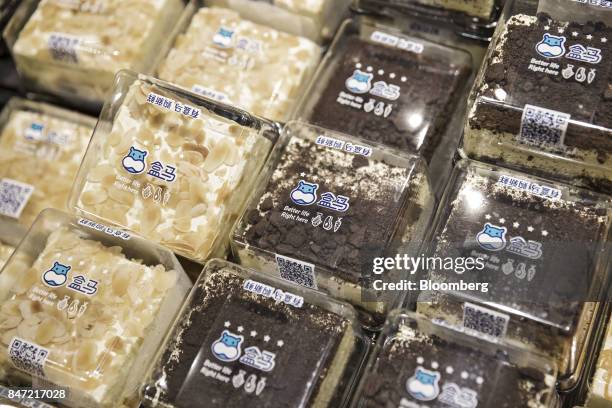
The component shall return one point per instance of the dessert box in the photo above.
(230, 59)
(542, 100)
(326, 206)
(73, 48)
(247, 339)
(84, 309)
(396, 89)
(418, 363)
(170, 165)
(41, 148)
(468, 18)
(543, 251)
(314, 19)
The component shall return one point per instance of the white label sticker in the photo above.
(271, 292)
(542, 126)
(531, 187)
(485, 321)
(28, 357)
(172, 105)
(107, 230)
(14, 196)
(296, 271)
(398, 42)
(64, 47)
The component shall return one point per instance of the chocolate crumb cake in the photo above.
(541, 245)
(420, 364)
(328, 206)
(543, 100)
(237, 341)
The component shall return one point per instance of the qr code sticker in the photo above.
(296, 271)
(14, 196)
(28, 357)
(64, 47)
(543, 126)
(484, 321)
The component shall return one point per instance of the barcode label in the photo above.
(14, 196)
(296, 271)
(543, 126)
(485, 321)
(28, 357)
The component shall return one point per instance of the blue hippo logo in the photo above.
(223, 38)
(423, 385)
(360, 82)
(227, 347)
(305, 193)
(492, 237)
(551, 46)
(57, 275)
(134, 161)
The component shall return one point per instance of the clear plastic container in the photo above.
(87, 311)
(542, 100)
(238, 338)
(418, 363)
(391, 88)
(598, 390)
(74, 48)
(542, 250)
(170, 165)
(326, 206)
(235, 61)
(41, 148)
(314, 19)
(472, 18)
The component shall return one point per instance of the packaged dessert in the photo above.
(543, 98)
(41, 148)
(418, 363)
(314, 19)
(469, 16)
(237, 340)
(87, 311)
(537, 251)
(599, 393)
(326, 206)
(395, 89)
(73, 48)
(170, 165)
(235, 61)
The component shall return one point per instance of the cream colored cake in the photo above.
(41, 153)
(235, 61)
(76, 46)
(92, 322)
(600, 395)
(192, 182)
(476, 8)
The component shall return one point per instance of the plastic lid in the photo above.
(543, 100)
(420, 364)
(237, 340)
(330, 204)
(391, 88)
(86, 310)
(171, 165)
(540, 244)
(41, 148)
(230, 59)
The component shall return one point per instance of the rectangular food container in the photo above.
(326, 206)
(226, 57)
(468, 18)
(542, 100)
(418, 363)
(388, 87)
(73, 48)
(41, 149)
(314, 19)
(542, 248)
(238, 338)
(83, 307)
(172, 166)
